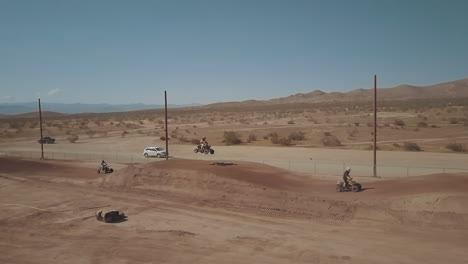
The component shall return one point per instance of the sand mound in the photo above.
(435, 183)
(177, 171)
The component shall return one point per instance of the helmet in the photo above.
(203, 138)
(348, 169)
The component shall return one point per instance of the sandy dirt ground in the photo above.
(195, 211)
(297, 159)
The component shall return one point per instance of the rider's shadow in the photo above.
(223, 163)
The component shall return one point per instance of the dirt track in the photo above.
(183, 211)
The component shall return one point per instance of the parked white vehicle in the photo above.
(154, 152)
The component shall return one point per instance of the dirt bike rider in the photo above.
(346, 177)
(203, 143)
(103, 165)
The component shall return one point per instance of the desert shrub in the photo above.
(231, 138)
(124, 133)
(411, 146)
(291, 122)
(184, 139)
(457, 147)
(160, 122)
(265, 137)
(356, 124)
(72, 138)
(252, 137)
(330, 140)
(453, 120)
(352, 132)
(162, 138)
(274, 138)
(396, 145)
(90, 133)
(422, 124)
(399, 122)
(434, 126)
(195, 141)
(311, 119)
(298, 135)
(284, 141)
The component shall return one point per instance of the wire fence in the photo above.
(301, 166)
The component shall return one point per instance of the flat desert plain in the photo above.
(200, 211)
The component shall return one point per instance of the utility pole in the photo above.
(375, 125)
(167, 139)
(40, 124)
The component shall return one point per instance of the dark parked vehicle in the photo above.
(47, 140)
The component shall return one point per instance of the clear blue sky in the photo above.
(209, 51)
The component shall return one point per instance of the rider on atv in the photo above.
(103, 165)
(203, 143)
(346, 177)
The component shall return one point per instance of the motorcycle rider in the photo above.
(347, 177)
(203, 143)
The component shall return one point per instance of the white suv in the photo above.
(154, 152)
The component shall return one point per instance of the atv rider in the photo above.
(203, 143)
(103, 165)
(346, 177)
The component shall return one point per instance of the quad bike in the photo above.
(104, 169)
(112, 216)
(206, 149)
(352, 186)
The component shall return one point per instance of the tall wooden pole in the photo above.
(167, 139)
(375, 125)
(40, 124)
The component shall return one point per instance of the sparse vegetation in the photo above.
(252, 137)
(297, 136)
(411, 146)
(72, 138)
(231, 138)
(352, 133)
(399, 122)
(330, 140)
(422, 124)
(456, 147)
(124, 133)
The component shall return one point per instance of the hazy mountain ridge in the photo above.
(452, 89)
(28, 107)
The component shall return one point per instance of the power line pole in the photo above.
(40, 123)
(167, 139)
(375, 125)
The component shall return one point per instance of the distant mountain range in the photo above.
(447, 90)
(20, 108)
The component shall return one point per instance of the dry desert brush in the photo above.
(231, 138)
(411, 146)
(330, 140)
(456, 147)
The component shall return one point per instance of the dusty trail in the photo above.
(185, 211)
